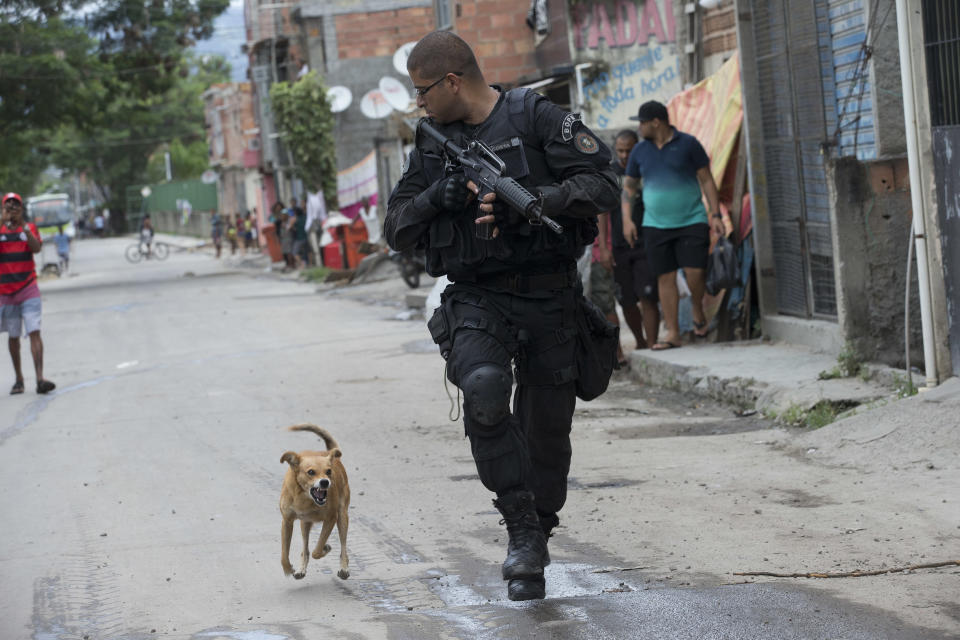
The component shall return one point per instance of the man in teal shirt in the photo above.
(676, 176)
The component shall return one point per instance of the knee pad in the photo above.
(486, 394)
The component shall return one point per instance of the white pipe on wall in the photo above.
(916, 201)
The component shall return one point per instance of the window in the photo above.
(441, 10)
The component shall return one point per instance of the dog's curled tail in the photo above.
(320, 431)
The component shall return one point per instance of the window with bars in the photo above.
(941, 26)
(441, 9)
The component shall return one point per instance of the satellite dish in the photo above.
(145, 192)
(208, 177)
(400, 57)
(374, 105)
(339, 98)
(395, 93)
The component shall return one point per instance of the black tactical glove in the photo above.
(449, 194)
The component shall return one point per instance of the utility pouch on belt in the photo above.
(597, 341)
(439, 327)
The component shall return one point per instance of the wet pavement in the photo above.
(139, 500)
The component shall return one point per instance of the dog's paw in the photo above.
(299, 575)
(288, 570)
(317, 554)
(343, 574)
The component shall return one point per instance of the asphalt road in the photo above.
(140, 499)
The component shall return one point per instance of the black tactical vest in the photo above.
(452, 247)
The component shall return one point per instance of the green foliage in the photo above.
(20, 164)
(303, 117)
(187, 161)
(47, 78)
(102, 97)
(315, 274)
(792, 415)
(830, 374)
(822, 414)
(904, 387)
(849, 364)
(849, 361)
(46, 75)
(117, 145)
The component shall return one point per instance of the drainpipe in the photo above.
(916, 201)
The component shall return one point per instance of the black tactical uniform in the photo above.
(513, 299)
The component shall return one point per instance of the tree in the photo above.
(115, 89)
(305, 121)
(47, 78)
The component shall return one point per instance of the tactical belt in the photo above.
(527, 282)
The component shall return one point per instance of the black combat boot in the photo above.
(532, 589)
(526, 544)
(547, 523)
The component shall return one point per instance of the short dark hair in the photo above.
(442, 52)
(652, 110)
(629, 134)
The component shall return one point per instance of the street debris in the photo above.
(850, 574)
(616, 569)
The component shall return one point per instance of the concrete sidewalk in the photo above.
(776, 379)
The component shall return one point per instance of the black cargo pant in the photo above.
(529, 447)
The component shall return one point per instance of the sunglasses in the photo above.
(423, 91)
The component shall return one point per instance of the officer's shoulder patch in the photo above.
(566, 127)
(586, 143)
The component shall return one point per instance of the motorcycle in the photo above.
(411, 264)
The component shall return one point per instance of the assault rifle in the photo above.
(486, 169)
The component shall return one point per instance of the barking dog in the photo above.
(315, 489)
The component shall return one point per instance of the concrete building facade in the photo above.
(830, 181)
(234, 143)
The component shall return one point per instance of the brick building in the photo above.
(234, 143)
(273, 47)
(599, 57)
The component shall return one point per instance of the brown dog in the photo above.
(315, 489)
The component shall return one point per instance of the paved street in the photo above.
(140, 500)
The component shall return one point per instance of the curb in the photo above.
(742, 392)
(846, 395)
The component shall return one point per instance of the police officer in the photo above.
(514, 297)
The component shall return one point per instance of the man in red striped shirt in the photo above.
(19, 295)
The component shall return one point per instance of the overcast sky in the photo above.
(228, 37)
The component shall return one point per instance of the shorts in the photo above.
(300, 248)
(633, 275)
(671, 249)
(15, 317)
(602, 288)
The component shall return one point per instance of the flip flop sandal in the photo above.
(663, 346)
(17, 388)
(700, 326)
(45, 386)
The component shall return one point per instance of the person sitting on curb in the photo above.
(19, 295)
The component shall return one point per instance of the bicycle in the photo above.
(139, 250)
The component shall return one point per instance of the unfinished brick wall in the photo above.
(377, 34)
(501, 40)
(719, 30)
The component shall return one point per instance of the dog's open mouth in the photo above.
(319, 496)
